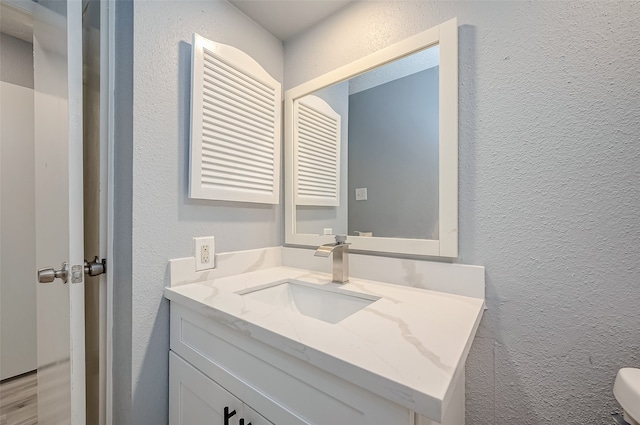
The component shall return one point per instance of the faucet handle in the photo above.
(341, 238)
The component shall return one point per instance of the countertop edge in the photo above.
(267, 336)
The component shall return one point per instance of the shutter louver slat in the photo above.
(313, 146)
(215, 104)
(251, 82)
(317, 120)
(323, 186)
(233, 124)
(223, 158)
(313, 124)
(309, 168)
(215, 91)
(221, 146)
(213, 111)
(219, 169)
(235, 129)
(239, 139)
(223, 86)
(315, 153)
(210, 142)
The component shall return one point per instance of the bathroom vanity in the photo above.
(284, 345)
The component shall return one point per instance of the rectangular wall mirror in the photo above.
(372, 150)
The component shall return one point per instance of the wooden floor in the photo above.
(18, 400)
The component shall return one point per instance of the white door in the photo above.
(57, 45)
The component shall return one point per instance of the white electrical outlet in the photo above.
(327, 231)
(204, 252)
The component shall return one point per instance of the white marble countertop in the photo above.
(406, 347)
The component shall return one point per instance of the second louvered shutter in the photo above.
(317, 152)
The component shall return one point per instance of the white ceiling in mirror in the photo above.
(286, 18)
(416, 62)
(16, 20)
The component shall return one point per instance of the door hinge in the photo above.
(95, 267)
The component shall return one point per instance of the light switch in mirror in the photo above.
(395, 170)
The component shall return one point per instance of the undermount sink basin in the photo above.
(323, 303)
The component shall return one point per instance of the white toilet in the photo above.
(627, 391)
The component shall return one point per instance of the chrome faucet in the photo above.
(340, 251)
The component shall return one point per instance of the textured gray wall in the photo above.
(121, 264)
(393, 152)
(549, 190)
(157, 217)
(16, 61)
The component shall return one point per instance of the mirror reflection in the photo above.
(381, 166)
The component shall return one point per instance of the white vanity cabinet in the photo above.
(397, 361)
(213, 366)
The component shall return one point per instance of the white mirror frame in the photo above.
(446, 35)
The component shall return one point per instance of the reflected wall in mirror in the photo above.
(390, 167)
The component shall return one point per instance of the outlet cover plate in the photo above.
(361, 194)
(204, 253)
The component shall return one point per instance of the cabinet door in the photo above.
(195, 399)
(254, 418)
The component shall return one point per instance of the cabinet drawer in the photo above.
(284, 389)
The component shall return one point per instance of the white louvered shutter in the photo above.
(317, 152)
(235, 126)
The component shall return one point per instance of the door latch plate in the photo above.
(77, 272)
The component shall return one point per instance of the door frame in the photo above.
(107, 142)
(76, 214)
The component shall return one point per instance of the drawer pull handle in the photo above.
(228, 415)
